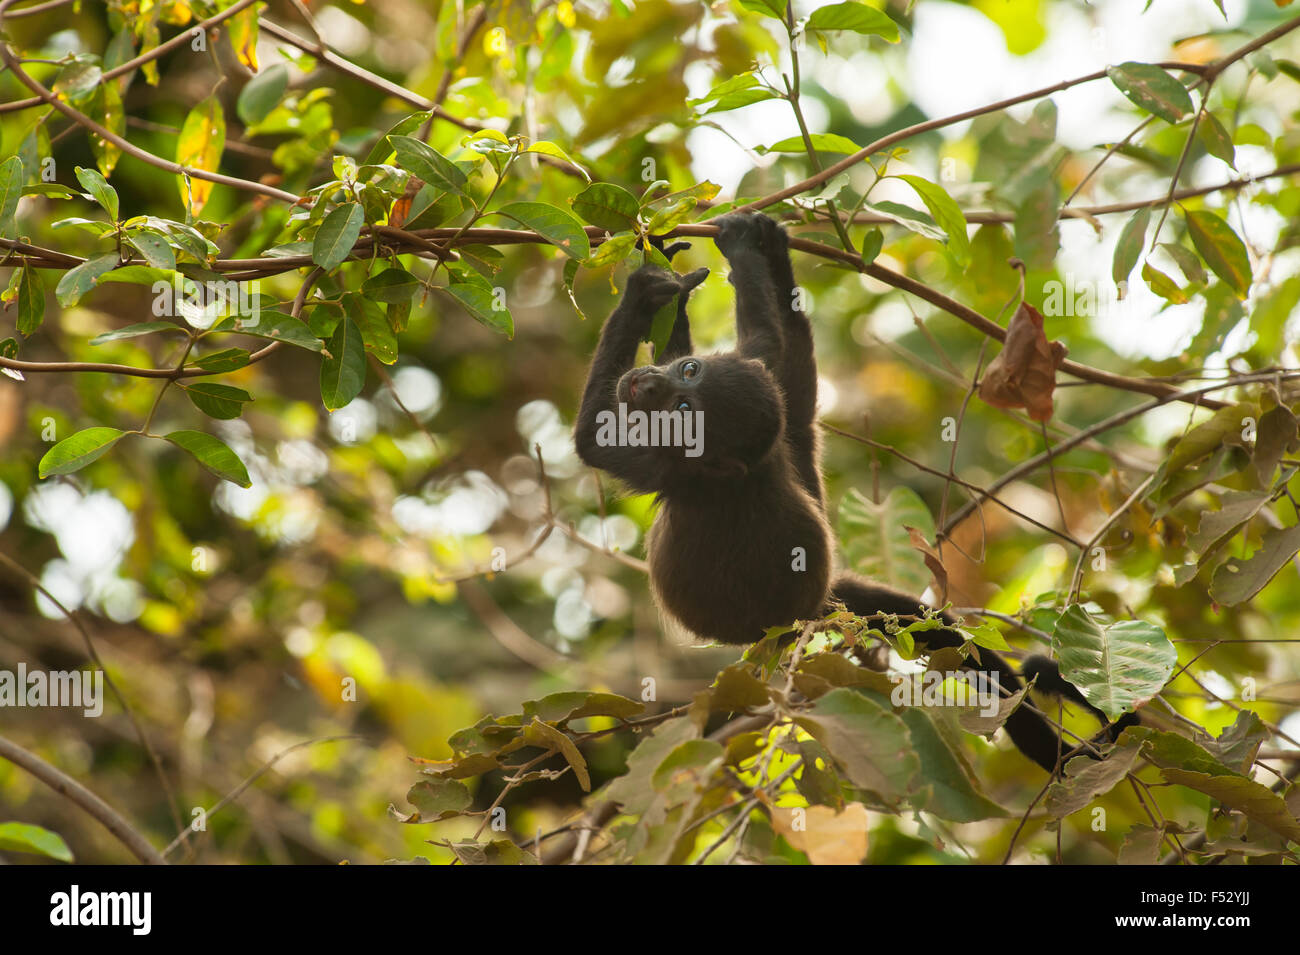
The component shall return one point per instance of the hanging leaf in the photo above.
(1023, 375)
(75, 452)
(867, 739)
(1129, 248)
(370, 320)
(261, 94)
(343, 369)
(1150, 88)
(135, 331)
(106, 109)
(217, 400)
(337, 235)
(31, 301)
(876, 540)
(213, 454)
(1238, 579)
(1216, 139)
(481, 303)
(242, 30)
(78, 281)
(1116, 666)
(946, 213)
(200, 145)
(11, 190)
(1221, 249)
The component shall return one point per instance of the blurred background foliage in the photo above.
(231, 616)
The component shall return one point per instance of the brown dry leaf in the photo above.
(826, 837)
(930, 555)
(1023, 374)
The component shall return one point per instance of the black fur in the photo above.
(741, 542)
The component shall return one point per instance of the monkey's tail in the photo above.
(1029, 730)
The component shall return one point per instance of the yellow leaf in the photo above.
(827, 838)
(243, 35)
(202, 139)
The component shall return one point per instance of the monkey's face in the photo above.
(673, 387)
(735, 400)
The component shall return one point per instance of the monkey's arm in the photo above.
(679, 342)
(797, 371)
(758, 320)
(648, 289)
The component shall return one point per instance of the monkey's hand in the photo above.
(651, 288)
(741, 232)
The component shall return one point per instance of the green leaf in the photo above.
(157, 251)
(1221, 249)
(913, 219)
(1129, 247)
(1224, 427)
(1183, 762)
(608, 206)
(80, 280)
(1187, 261)
(741, 98)
(945, 784)
(11, 190)
(75, 452)
(375, 331)
(946, 213)
(79, 78)
(227, 359)
(545, 148)
(276, 326)
(99, 189)
(216, 400)
(436, 798)
(343, 369)
(481, 303)
(213, 454)
(856, 17)
(875, 538)
(1085, 779)
(1238, 579)
(428, 164)
(31, 301)
(865, 737)
(21, 837)
(393, 286)
(136, 330)
(775, 9)
(558, 227)
(337, 235)
(262, 94)
(1116, 666)
(1216, 140)
(1152, 89)
(613, 250)
(821, 142)
(872, 243)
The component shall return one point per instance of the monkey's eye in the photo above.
(690, 369)
(682, 405)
